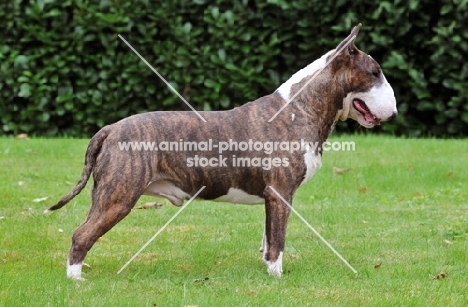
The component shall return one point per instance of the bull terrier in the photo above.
(345, 83)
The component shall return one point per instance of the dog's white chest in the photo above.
(238, 196)
(313, 162)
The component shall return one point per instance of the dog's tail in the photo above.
(92, 152)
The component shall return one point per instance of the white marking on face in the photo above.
(380, 100)
(275, 268)
(293, 116)
(74, 271)
(285, 89)
(168, 190)
(238, 196)
(313, 163)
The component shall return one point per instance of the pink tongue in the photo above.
(358, 106)
(367, 115)
(370, 119)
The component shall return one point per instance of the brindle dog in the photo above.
(351, 85)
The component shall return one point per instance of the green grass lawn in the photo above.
(400, 217)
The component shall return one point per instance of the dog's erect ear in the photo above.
(349, 42)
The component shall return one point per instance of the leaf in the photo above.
(21, 60)
(209, 83)
(222, 54)
(201, 279)
(215, 12)
(231, 66)
(337, 170)
(53, 13)
(25, 90)
(446, 8)
(155, 205)
(224, 102)
(378, 265)
(362, 190)
(85, 265)
(22, 136)
(187, 27)
(441, 275)
(45, 117)
(450, 175)
(246, 36)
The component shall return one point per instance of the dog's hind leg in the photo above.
(106, 211)
(277, 215)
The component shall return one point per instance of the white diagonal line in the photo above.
(161, 77)
(314, 231)
(313, 77)
(161, 230)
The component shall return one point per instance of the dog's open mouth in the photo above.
(366, 113)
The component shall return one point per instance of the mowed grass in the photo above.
(400, 217)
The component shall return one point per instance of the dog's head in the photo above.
(369, 97)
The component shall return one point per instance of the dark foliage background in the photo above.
(64, 71)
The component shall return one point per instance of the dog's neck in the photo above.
(320, 100)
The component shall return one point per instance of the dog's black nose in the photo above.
(394, 114)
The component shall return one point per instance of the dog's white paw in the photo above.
(275, 268)
(74, 271)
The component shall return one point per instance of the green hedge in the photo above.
(65, 71)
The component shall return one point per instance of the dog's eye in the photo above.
(376, 73)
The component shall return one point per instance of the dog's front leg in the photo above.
(277, 215)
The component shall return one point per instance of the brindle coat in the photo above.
(121, 177)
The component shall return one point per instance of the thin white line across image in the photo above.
(161, 230)
(162, 78)
(310, 80)
(315, 231)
